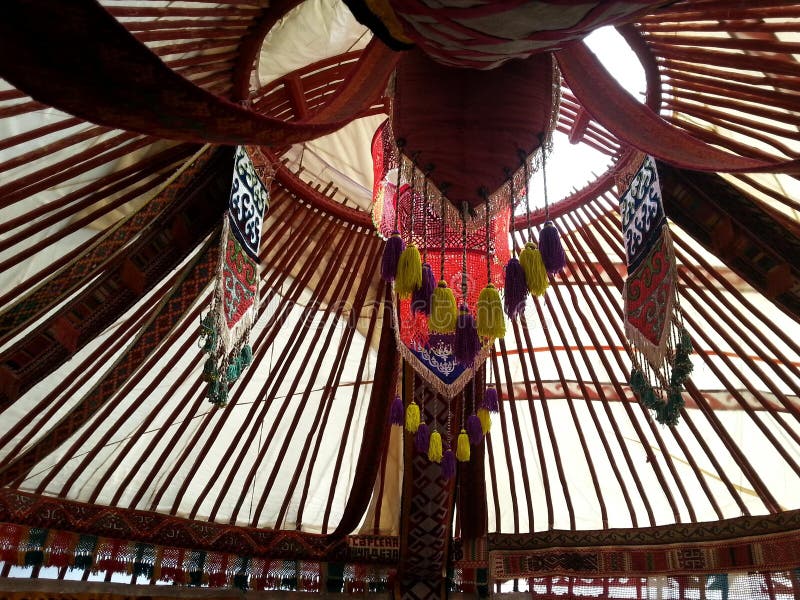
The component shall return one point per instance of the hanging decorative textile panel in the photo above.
(225, 329)
(653, 322)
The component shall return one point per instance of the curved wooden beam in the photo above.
(637, 124)
(111, 78)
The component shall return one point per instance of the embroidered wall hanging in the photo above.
(225, 329)
(653, 321)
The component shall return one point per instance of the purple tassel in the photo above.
(391, 256)
(422, 438)
(448, 464)
(491, 400)
(397, 414)
(474, 430)
(467, 345)
(516, 290)
(551, 249)
(421, 297)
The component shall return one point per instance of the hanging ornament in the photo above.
(412, 417)
(396, 412)
(516, 289)
(448, 464)
(491, 323)
(530, 258)
(225, 330)
(422, 438)
(444, 311)
(474, 430)
(485, 419)
(435, 447)
(549, 239)
(409, 267)
(462, 447)
(421, 297)
(491, 400)
(395, 244)
(467, 344)
(660, 343)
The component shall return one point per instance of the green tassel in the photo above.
(435, 448)
(246, 356)
(444, 311)
(491, 323)
(486, 420)
(462, 448)
(412, 417)
(210, 369)
(409, 272)
(535, 273)
(233, 371)
(211, 342)
(638, 383)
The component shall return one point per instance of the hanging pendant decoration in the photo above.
(653, 320)
(224, 331)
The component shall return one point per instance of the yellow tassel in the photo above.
(435, 447)
(444, 311)
(412, 417)
(462, 449)
(535, 274)
(486, 420)
(409, 272)
(491, 323)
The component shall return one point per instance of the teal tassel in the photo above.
(210, 369)
(246, 355)
(211, 342)
(233, 371)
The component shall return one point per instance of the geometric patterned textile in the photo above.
(653, 321)
(774, 552)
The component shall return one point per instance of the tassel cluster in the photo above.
(530, 260)
(552, 251)
(409, 272)
(667, 410)
(218, 371)
(516, 290)
(444, 310)
(391, 256)
(491, 323)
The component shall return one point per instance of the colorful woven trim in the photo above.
(225, 329)
(21, 545)
(774, 552)
(25, 509)
(653, 321)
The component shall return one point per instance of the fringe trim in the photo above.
(22, 546)
(448, 390)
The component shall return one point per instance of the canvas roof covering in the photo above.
(116, 415)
